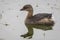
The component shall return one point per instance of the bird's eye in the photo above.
(25, 7)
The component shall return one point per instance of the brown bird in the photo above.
(40, 21)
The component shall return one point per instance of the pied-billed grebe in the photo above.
(40, 21)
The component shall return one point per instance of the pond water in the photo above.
(12, 19)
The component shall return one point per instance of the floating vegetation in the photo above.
(48, 4)
(9, 8)
(36, 5)
(52, 7)
(17, 16)
(2, 0)
(2, 11)
(6, 24)
(54, 4)
(0, 16)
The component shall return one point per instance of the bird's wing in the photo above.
(41, 16)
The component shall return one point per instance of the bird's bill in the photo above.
(21, 9)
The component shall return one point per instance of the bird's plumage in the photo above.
(40, 16)
(40, 21)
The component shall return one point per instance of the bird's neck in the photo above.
(30, 14)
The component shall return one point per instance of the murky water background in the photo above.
(11, 15)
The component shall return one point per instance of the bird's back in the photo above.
(41, 16)
(38, 17)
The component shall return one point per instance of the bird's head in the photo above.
(27, 8)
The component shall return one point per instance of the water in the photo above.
(10, 9)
